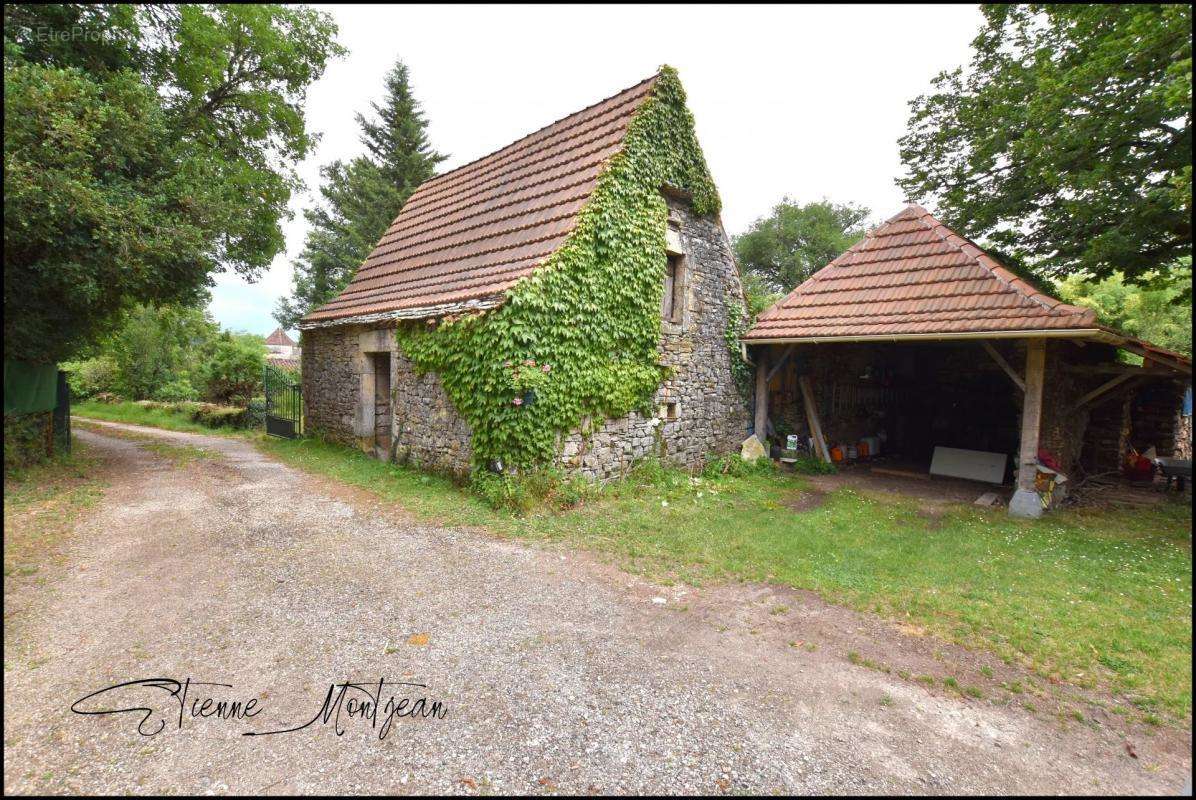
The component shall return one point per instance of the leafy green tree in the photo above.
(145, 148)
(232, 372)
(1067, 140)
(159, 350)
(793, 242)
(92, 376)
(1153, 310)
(361, 198)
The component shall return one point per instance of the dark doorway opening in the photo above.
(382, 401)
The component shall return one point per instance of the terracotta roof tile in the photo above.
(914, 275)
(471, 233)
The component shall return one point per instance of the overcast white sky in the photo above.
(805, 101)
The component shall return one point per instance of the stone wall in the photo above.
(698, 410)
(332, 366)
(429, 432)
(1157, 421)
(1062, 429)
(339, 385)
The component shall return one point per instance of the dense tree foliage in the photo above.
(158, 352)
(171, 353)
(232, 370)
(145, 148)
(1154, 310)
(360, 198)
(1068, 138)
(793, 242)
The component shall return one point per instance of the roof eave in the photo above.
(418, 312)
(1053, 333)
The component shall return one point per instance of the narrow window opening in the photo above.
(671, 302)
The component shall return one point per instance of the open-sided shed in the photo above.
(919, 336)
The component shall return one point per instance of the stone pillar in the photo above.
(1025, 501)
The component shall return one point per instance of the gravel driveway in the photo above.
(555, 672)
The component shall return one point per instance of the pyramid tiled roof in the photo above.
(279, 337)
(914, 276)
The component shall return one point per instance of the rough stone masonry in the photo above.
(698, 410)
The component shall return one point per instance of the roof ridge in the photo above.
(442, 175)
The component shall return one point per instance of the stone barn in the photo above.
(918, 343)
(591, 248)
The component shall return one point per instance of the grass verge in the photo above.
(1096, 599)
(134, 414)
(41, 505)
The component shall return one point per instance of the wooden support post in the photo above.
(762, 397)
(1003, 364)
(1025, 502)
(807, 396)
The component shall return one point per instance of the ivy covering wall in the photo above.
(588, 320)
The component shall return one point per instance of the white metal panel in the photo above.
(975, 465)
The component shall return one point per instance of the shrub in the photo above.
(734, 465)
(92, 377)
(809, 465)
(176, 389)
(25, 439)
(501, 492)
(520, 493)
(233, 370)
(217, 416)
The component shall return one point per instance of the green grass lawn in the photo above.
(134, 414)
(1091, 598)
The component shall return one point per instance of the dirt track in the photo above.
(557, 673)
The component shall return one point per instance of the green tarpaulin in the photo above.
(29, 387)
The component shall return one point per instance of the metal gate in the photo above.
(284, 402)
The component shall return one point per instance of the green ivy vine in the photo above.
(741, 370)
(591, 312)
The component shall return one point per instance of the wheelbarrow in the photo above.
(1175, 469)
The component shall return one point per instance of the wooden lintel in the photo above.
(1112, 383)
(1004, 365)
(781, 362)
